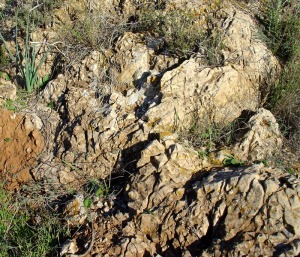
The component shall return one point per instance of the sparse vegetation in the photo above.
(41, 11)
(212, 136)
(282, 27)
(89, 30)
(184, 32)
(3, 59)
(23, 234)
(230, 160)
(15, 106)
(95, 30)
(98, 189)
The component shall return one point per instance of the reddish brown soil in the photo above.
(19, 149)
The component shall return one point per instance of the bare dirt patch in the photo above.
(19, 148)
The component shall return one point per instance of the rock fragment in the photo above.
(263, 139)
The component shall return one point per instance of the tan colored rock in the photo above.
(132, 59)
(162, 170)
(216, 94)
(7, 91)
(220, 94)
(244, 49)
(32, 122)
(228, 205)
(54, 90)
(90, 70)
(263, 139)
(74, 210)
(176, 208)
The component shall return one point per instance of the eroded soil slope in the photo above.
(20, 145)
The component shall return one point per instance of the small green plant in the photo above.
(265, 163)
(14, 105)
(7, 139)
(230, 160)
(291, 171)
(25, 59)
(87, 203)
(95, 188)
(202, 154)
(51, 105)
(102, 191)
(4, 75)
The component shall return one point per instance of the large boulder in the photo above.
(218, 94)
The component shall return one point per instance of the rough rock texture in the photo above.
(20, 144)
(263, 140)
(148, 92)
(95, 130)
(219, 94)
(7, 91)
(117, 110)
(250, 211)
(163, 168)
(132, 59)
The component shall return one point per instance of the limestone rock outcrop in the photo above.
(116, 112)
(218, 94)
(151, 93)
(251, 211)
(163, 168)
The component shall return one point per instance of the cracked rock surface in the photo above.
(248, 211)
(114, 117)
(151, 93)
